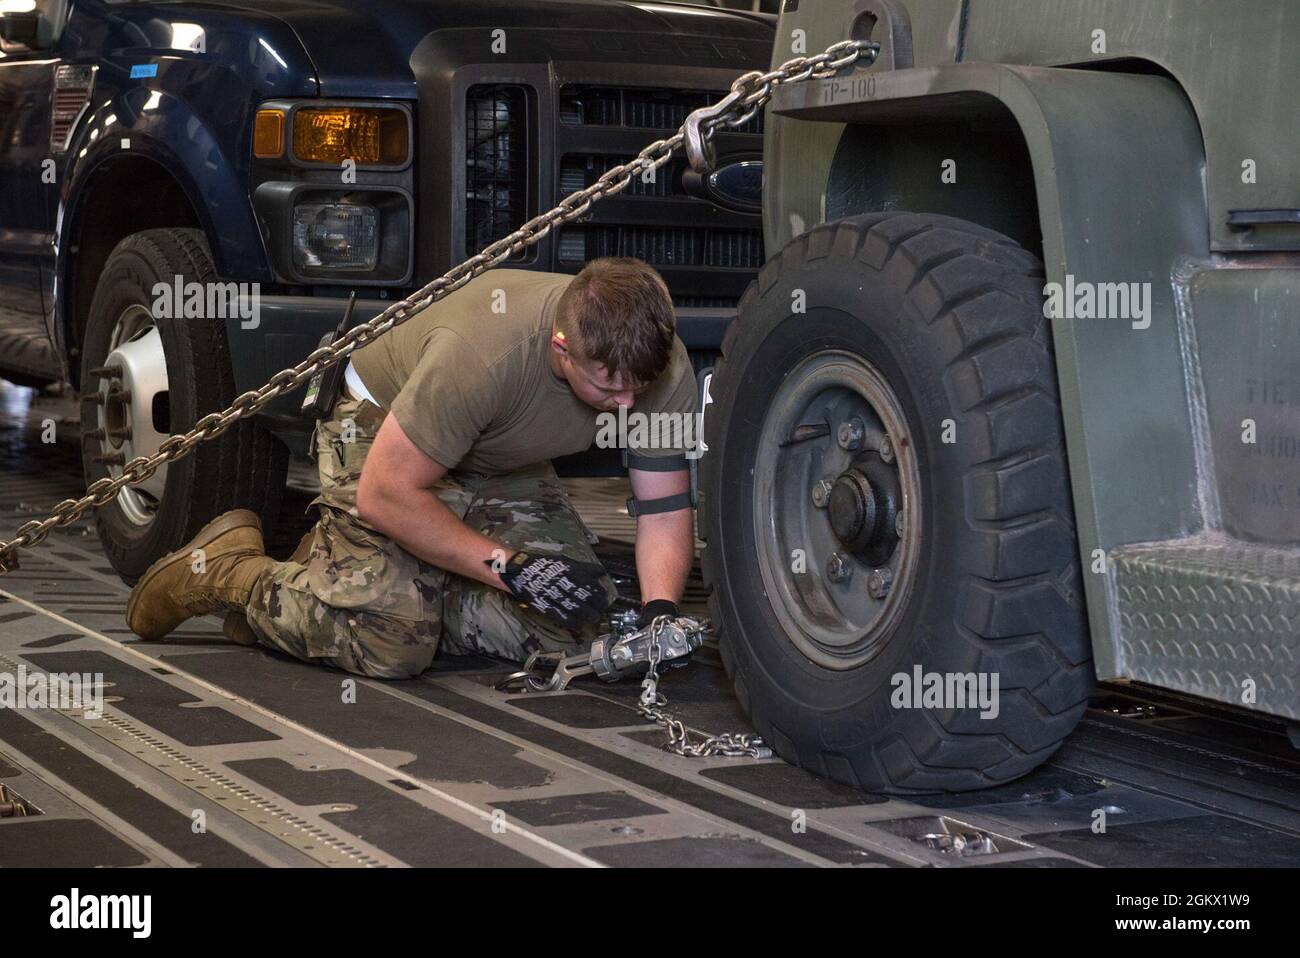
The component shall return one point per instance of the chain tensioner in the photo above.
(625, 651)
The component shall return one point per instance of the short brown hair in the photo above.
(618, 312)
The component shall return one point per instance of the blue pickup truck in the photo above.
(190, 190)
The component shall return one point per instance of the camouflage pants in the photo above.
(360, 602)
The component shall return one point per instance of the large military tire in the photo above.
(922, 328)
(175, 372)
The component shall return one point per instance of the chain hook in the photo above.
(700, 153)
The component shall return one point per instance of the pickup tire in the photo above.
(904, 361)
(179, 370)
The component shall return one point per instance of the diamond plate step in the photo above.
(1216, 618)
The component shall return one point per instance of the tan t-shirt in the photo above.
(473, 389)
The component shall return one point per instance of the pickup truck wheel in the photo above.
(145, 376)
(887, 511)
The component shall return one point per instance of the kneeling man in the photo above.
(441, 521)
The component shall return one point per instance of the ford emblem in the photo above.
(739, 185)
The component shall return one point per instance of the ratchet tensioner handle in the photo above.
(613, 656)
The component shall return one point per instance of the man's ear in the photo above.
(558, 343)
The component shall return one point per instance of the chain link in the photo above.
(757, 89)
(653, 702)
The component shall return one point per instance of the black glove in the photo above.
(567, 591)
(657, 607)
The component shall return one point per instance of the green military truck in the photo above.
(1015, 401)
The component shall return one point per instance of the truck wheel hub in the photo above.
(863, 511)
(132, 398)
(837, 516)
(856, 512)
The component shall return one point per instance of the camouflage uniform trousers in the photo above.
(362, 603)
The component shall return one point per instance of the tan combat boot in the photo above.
(171, 591)
(235, 626)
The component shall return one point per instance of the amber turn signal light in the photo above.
(268, 134)
(368, 136)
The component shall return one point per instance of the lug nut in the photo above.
(122, 434)
(886, 450)
(110, 459)
(93, 434)
(109, 372)
(821, 493)
(879, 584)
(837, 568)
(850, 434)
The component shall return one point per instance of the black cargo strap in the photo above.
(650, 507)
(657, 463)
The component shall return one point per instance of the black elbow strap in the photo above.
(649, 507)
